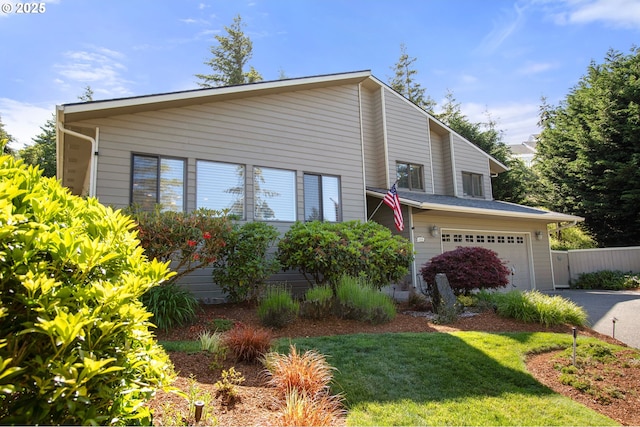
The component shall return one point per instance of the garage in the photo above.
(514, 248)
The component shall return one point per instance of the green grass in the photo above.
(463, 378)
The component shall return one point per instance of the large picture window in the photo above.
(220, 186)
(472, 184)
(410, 176)
(322, 198)
(274, 192)
(157, 180)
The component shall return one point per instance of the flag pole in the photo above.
(380, 204)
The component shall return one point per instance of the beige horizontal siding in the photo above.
(407, 136)
(372, 127)
(469, 159)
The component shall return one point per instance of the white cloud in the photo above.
(614, 13)
(99, 67)
(517, 121)
(535, 68)
(503, 28)
(23, 120)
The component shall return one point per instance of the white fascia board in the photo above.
(439, 122)
(206, 93)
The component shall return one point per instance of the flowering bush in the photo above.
(190, 240)
(467, 268)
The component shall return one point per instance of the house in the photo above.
(324, 147)
(525, 151)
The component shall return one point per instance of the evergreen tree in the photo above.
(404, 81)
(4, 136)
(43, 150)
(588, 155)
(87, 96)
(230, 57)
(511, 186)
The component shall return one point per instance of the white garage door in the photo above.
(510, 247)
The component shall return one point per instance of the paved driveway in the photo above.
(603, 306)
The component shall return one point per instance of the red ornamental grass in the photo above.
(247, 343)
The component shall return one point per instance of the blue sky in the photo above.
(496, 56)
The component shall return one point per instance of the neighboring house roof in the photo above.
(473, 206)
(94, 109)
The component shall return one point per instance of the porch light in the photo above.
(538, 235)
(434, 231)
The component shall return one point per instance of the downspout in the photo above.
(384, 136)
(94, 155)
(364, 174)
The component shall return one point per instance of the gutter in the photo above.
(94, 155)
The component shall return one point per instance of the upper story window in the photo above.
(157, 180)
(322, 198)
(274, 194)
(410, 176)
(472, 184)
(220, 186)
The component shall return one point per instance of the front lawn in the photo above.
(461, 378)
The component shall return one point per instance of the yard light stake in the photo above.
(575, 336)
(199, 404)
(614, 320)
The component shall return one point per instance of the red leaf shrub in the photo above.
(468, 268)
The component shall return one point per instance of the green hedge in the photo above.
(325, 251)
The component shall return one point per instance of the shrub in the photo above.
(213, 343)
(300, 409)
(171, 305)
(317, 302)
(226, 387)
(277, 308)
(189, 240)
(535, 307)
(243, 264)
(466, 268)
(606, 279)
(221, 325)
(248, 344)
(75, 340)
(306, 372)
(324, 251)
(360, 301)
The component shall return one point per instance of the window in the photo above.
(322, 198)
(468, 238)
(457, 237)
(274, 192)
(157, 180)
(446, 237)
(472, 184)
(409, 176)
(220, 186)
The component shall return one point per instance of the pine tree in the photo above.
(230, 57)
(404, 81)
(43, 150)
(6, 139)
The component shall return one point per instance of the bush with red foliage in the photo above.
(248, 344)
(467, 268)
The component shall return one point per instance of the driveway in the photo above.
(603, 306)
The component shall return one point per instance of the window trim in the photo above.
(320, 198)
(409, 165)
(471, 176)
(159, 158)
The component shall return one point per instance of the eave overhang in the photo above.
(458, 205)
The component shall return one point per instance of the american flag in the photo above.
(392, 200)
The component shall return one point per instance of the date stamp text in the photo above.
(23, 8)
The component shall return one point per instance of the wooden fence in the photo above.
(568, 265)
